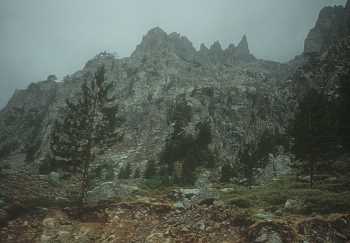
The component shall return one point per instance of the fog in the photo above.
(40, 37)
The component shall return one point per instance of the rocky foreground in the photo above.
(159, 221)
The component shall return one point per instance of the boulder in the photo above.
(102, 192)
(54, 178)
(293, 205)
(3, 216)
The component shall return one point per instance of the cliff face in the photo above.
(332, 25)
(240, 96)
(237, 94)
(327, 47)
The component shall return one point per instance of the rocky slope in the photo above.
(239, 95)
(154, 222)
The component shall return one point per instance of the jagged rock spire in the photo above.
(157, 41)
(243, 47)
(216, 46)
(242, 51)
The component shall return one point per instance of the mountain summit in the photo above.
(158, 43)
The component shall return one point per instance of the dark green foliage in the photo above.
(151, 169)
(273, 195)
(185, 149)
(31, 151)
(268, 144)
(315, 134)
(125, 172)
(86, 125)
(227, 173)
(180, 114)
(137, 173)
(34, 122)
(204, 133)
(241, 202)
(314, 127)
(104, 171)
(49, 165)
(248, 161)
(253, 156)
(343, 111)
(7, 148)
(154, 183)
(86, 122)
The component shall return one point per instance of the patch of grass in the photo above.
(241, 202)
(274, 195)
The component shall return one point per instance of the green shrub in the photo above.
(151, 169)
(241, 202)
(153, 183)
(125, 172)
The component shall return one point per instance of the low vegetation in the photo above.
(273, 197)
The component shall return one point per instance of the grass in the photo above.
(321, 199)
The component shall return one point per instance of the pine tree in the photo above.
(150, 170)
(227, 172)
(137, 173)
(249, 162)
(86, 125)
(343, 111)
(125, 172)
(314, 131)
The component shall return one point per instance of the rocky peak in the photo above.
(157, 32)
(154, 40)
(182, 46)
(203, 48)
(332, 24)
(157, 41)
(231, 47)
(243, 47)
(216, 46)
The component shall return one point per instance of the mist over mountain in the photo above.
(63, 35)
(244, 138)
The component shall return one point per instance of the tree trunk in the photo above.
(312, 170)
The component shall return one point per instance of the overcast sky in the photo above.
(40, 37)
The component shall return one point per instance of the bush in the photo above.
(241, 202)
(227, 173)
(125, 172)
(8, 148)
(137, 173)
(151, 169)
(153, 183)
(191, 151)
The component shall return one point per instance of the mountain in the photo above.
(234, 112)
(227, 87)
(332, 25)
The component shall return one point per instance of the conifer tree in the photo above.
(86, 125)
(151, 169)
(314, 131)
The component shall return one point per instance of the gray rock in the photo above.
(3, 216)
(293, 205)
(268, 236)
(179, 205)
(54, 178)
(103, 192)
(265, 216)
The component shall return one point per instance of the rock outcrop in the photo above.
(229, 88)
(332, 25)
